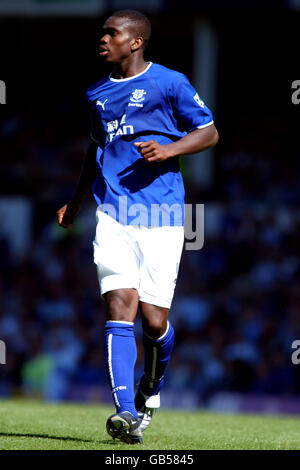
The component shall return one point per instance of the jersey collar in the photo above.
(130, 78)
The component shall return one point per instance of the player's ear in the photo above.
(136, 43)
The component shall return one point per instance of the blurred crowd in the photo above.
(236, 309)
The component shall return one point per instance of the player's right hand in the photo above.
(66, 215)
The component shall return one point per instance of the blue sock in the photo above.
(157, 357)
(120, 355)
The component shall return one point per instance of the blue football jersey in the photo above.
(157, 104)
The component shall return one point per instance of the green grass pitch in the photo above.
(35, 425)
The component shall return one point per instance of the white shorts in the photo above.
(143, 258)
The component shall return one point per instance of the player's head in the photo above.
(124, 33)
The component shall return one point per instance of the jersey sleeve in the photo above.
(95, 126)
(189, 110)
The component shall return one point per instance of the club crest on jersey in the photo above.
(137, 97)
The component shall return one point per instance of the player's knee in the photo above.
(155, 325)
(119, 307)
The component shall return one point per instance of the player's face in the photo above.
(116, 40)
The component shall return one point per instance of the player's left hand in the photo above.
(152, 151)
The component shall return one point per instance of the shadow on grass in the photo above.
(59, 438)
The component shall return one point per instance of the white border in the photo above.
(111, 370)
(205, 125)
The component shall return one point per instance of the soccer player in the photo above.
(143, 117)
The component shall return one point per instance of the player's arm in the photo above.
(196, 141)
(89, 174)
(192, 116)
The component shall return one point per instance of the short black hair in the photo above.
(141, 26)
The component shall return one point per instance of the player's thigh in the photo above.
(161, 249)
(115, 255)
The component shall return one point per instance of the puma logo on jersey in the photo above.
(99, 103)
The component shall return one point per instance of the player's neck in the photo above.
(129, 67)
